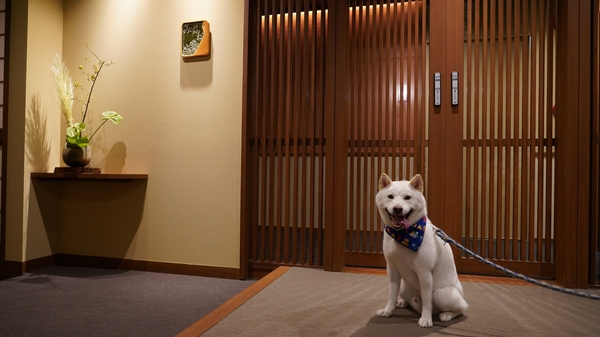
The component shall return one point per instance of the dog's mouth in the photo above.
(399, 220)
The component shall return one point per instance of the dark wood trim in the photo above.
(595, 178)
(573, 137)
(150, 266)
(14, 268)
(337, 171)
(208, 321)
(246, 192)
(331, 257)
(584, 145)
(4, 137)
(451, 172)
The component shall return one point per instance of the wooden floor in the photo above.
(205, 323)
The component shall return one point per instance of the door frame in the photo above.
(574, 85)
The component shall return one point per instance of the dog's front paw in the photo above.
(425, 323)
(384, 313)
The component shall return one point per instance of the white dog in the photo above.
(420, 266)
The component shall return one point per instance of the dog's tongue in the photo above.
(400, 220)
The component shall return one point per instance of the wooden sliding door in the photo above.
(285, 145)
(509, 143)
(341, 91)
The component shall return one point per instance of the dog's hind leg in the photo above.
(409, 297)
(394, 282)
(450, 302)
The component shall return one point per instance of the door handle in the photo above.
(437, 89)
(454, 88)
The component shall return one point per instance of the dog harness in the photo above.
(410, 237)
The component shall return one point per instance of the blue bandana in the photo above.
(410, 237)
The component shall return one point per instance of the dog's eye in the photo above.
(391, 196)
(407, 197)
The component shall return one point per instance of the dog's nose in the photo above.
(398, 210)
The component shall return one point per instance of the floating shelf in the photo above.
(88, 176)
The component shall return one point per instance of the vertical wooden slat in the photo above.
(595, 232)
(297, 134)
(529, 114)
(352, 70)
(278, 221)
(521, 107)
(256, 202)
(511, 122)
(397, 106)
(477, 236)
(424, 98)
(364, 87)
(496, 121)
(409, 136)
(515, 133)
(398, 130)
(312, 132)
(321, 166)
(372, 112)
(263, 134)
(550, 9)
(536, 133)
(272, 129)
(468, 228)
(485, 237)
(288, 136)
(380, 135)
(303, 127)
(510, 162)
(501, 250)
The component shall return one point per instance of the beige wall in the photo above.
(36, 35)
(182, 126)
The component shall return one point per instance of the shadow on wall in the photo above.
(37, 142)
(91, 218)
(115, 159)
(196, 72)
(46, 215)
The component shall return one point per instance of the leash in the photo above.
(447, 239)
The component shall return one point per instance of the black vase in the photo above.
(76, 156)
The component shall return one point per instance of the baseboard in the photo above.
(14, 268)
(18, 268)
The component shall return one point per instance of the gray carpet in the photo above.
(308, 302)
(69, 301)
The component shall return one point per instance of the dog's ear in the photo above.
(417, 182)
(384, 181)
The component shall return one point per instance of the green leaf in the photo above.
(83, 141)
(72, 142)
(113, 116)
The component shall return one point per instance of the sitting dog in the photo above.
(420, 266)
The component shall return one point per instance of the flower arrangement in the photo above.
(65, 88)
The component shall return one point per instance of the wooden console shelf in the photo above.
(88, 176)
